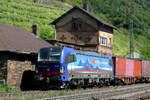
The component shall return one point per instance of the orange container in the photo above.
(137, 68)
(120, 66)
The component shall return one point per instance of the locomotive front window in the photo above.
(49, 54)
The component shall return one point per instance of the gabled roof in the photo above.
(16, 39)
(84, 11)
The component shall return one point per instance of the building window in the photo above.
(79, 26)
(110, 40)
(103, 41)
(76, 26)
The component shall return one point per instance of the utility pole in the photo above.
(131, 40)
(131, 13)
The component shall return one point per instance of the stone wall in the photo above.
(105, 50)
(108, 34)
(12, 66)
(86, 34)
(16, 69)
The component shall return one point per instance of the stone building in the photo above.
(18, 53)
(83, 30)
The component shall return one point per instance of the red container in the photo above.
(129, 68)
(145, 68)
(119, 66)
(137, 68)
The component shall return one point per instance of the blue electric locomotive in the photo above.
(61, 67)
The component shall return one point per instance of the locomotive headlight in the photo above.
(61, 69)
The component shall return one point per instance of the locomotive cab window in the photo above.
(49, 55)
(70, 58)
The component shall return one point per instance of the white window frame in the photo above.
(103, 41)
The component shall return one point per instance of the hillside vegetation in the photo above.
(24, 14)
(118, 12)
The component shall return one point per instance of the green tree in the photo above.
(145, 52)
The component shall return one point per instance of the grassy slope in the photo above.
(24, 14)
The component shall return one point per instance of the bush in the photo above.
(4, 87)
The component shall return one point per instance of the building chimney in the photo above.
(86, 6)
(34, 29)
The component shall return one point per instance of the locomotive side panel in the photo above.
(91, 67)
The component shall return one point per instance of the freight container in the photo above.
(146, 69)
(119, 66)
(129, 68)
(137, 68)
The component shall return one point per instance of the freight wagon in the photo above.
(127, 70)
(62, 67)
(131, 70)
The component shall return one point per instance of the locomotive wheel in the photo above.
(67, 86)
(99, 85)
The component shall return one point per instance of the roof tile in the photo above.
(16, 39)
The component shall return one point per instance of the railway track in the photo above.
(129, 93)
(121, 92)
